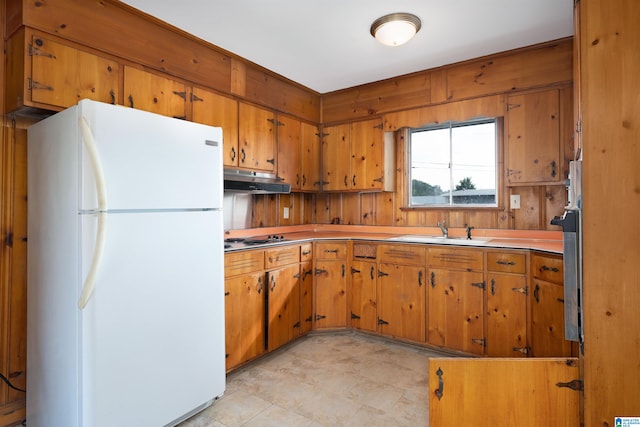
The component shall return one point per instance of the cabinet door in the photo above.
(547, 320)
(310, 161)
(362, 296)
(289, 134)
(154, 93)
(212, 109)
(283, 305)
(401, 301)
(507, 315)
(367, 155)
(330, 292)
(455, 310)
(488, 392)
(61, 75)
(244, 318)
(336, 158)
(306, 296)
(533, 137)
(257, 138)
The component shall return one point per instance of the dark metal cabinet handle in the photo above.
(432, 279)
(233, 153)
(372, 272)
(243, 155)
(440, 389)
(420, 278)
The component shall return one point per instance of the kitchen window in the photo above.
(454, 164)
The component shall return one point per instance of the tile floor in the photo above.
(327, 379)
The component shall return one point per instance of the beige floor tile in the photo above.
(327, 380)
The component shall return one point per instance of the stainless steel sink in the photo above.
(440, 240)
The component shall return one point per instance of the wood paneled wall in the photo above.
(610, 65)
(453, 93)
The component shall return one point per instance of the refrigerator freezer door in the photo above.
(151, 161)
(153, 334)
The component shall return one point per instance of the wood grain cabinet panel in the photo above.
(488, 392)
(336, 158)
(45, 73)
(533, 138)
(310, 158)
(283, 305)
(212, 109)
(290, 151)
(257, 136)
(330, 285)
(363, 301)
(155, 93)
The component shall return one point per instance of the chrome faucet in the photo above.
(443, 228)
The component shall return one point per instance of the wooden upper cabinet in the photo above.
(44, 73)
(310, 158)
(212, 109)
(533, 138)
(289, 151)
(257, 138)
(151, 92)
(370, 154)
(336, 158)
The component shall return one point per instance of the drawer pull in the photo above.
(331, 251)
(306, 252)
(500, 262)
(552, 269)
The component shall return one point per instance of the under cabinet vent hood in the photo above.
(242, 181)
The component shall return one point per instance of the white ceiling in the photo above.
(325, 45)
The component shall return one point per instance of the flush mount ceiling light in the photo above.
(396, 28)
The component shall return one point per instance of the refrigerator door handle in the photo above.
(92, 150)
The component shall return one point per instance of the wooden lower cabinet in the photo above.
(363, 301)
(506, 315)
(244, 318)
(283, 305)
(547, 320)
(330, 285)
(402, 299)
(488, 392)
(456, 310)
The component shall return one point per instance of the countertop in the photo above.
(547, 241)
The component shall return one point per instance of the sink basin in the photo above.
(440, 240)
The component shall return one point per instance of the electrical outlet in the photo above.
(515, 201)
(285, 213)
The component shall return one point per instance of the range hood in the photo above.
(242, 181)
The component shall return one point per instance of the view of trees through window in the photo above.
(454, 164)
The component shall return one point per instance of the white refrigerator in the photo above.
(125, 268)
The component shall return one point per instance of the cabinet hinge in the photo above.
(480, 341)
(32, 84)
(320, 317)
(309, 319)
(354, 316)
(523, 350)
(319, 271)
(380, 126)
(195, 98)
(321, 134)
(182, 95)
(480, 285)
(512, 106)
(382, 322)
(575, 385)
(296, 325)
(8, 240)
(380, 180)
(34, 51)
(382, 273)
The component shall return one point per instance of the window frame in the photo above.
(499, 144)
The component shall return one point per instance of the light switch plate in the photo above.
(515, 201)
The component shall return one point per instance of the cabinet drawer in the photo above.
(547, 267)
(506, 262)
(281, 256)
(306, 252)
(403, 254)
(465, 259)
(243, 262)
(364, 250)
(331, 250)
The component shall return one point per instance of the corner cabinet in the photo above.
(357, 157)
(43, 73)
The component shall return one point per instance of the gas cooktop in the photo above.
(240, 242)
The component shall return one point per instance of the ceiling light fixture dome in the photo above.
(396, 28)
